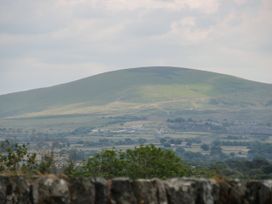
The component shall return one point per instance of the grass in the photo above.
(173, 92)
(135, 88)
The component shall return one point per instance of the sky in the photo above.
(43, 43)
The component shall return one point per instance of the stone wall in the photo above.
(53, 189)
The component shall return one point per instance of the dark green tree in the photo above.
(150, 161)
(140, 162)
(205, 147)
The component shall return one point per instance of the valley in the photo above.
(202, 116)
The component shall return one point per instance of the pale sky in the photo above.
(47, 42)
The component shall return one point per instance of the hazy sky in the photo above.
(46, 42)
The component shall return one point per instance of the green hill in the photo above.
(140, 89)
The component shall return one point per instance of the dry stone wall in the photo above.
(53, 189)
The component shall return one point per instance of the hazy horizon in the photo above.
(45, 43)
(64, 82)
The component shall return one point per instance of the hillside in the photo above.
(159, 87)
(176, 108)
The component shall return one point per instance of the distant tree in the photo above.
(141, 141)
(216, 150)
(205, 147)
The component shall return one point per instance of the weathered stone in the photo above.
(51, 189)
(4, 185)
(15, 189)
(205, 191)
(82, 190)
(146, 191)
(189, 191)
(161, 192)
(231, 192)
(215, 191)
(180, 191)
(259, 192)
(122, 191)
(102, 191)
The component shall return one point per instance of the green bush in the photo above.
(140, 162)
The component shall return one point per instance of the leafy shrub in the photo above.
(15, 157)
(140, 162)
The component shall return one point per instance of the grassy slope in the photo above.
(139, 88)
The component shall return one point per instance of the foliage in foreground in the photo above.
(16, 159)
(140, 162)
